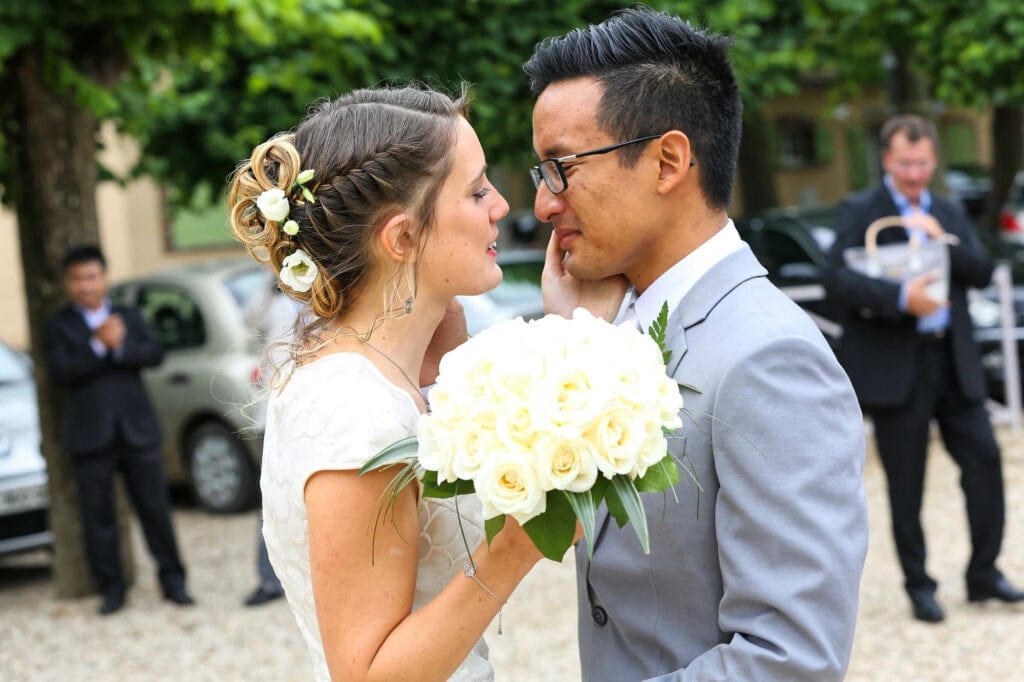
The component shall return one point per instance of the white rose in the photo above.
(436, 450)
(472, 443)
(653, 451)
(514, 423)
(507, 483)
(565, 464)
(298, 271)
(618, 439)
(273, 204)
(566, 401)
(671, 403)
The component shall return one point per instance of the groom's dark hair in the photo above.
(659, 73)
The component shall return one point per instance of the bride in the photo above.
(376, 212)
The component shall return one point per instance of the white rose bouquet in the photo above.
(546, 419)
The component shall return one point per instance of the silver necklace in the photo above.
(416, 389)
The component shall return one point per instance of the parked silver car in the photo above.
(24, 501)
(206, 391)
(1011, 217)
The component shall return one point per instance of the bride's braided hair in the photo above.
(375, 152)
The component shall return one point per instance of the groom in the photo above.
(637, 123)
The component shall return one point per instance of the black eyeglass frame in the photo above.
(538, 175)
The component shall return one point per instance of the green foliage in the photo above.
(657, 332)
(662, 476)
(200, 82)
(202, 111)
(553, 532)
(628, 509)
(584, 506)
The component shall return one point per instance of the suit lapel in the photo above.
(75, 322)
(697, 304)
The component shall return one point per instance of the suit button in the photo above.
(599, 615)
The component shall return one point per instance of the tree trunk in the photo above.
(908, 89)
(756, 166)
(52, 144)
(1007, 156)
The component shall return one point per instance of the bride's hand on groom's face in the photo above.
(563, 293)
(450, 333)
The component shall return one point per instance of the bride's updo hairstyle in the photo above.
(373, 153)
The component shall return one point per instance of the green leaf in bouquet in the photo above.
(443, 489)
(585, 508)
(398, 452)
(630, 499)
(615, 507)
(597, 490)
(552, 532)
(661, 476)
(657, 332)
(493, 526)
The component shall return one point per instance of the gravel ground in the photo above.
(44, 639)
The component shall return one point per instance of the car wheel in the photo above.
(223, 478)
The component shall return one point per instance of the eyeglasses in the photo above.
(552, 172)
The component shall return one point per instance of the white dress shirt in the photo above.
(677, 281)
(94, 319)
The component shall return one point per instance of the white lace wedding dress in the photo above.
(336, 413)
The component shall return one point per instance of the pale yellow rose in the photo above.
(507, 483)
(513, 423)
(436, 450)
(565, 464)
(670, 400)
(653, 451)
(567, 401)
(618, 437)
(472, 442)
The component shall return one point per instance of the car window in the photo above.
(245, 284)
(780, 248)
(1018, 194)
(12, 369)
(172, 315)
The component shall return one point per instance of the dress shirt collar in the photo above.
(902, 202)
(676, 282)
(94, 318)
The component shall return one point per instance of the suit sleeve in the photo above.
(969, 263)
(852, 288)
(140, 348)
(791, 517)
(69, 359)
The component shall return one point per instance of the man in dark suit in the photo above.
(913, 358)
(95, 351)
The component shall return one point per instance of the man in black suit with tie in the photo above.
(94, 350)
(913, 358)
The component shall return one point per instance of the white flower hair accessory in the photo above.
(298, 271)
(273, 204)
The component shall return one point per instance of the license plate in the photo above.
(23, 499)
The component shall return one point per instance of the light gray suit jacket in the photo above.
(760, 579)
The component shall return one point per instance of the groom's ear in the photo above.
(676, 163)
(395, 238)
